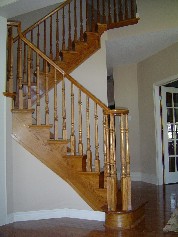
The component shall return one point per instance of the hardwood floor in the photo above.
(158, 213)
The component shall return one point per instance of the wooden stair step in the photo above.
(96, 178)
(92, 37)
(69, 56)
(41, 130)
(76, 162)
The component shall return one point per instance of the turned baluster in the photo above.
(63, 30)
(87, 18)
(89, 153)
(69, 37)
(44, 44)
(115, 12)
(129, 205)
(19, 73)
(75, 21)
(10, 61)
(113, 175)
(97, 161)
(38, 37)
(57, 35)
(98, 11)
(38, 110)
(109, 12)
(31, 56)
(25, 63)
(72, 137)
(29, 75)
(126, 9)
(123, 164)
(55, 108)
(51, 37)
(104, 12)
(80, 144)
(107, 175)
(120, 10)
(81, 22)
(64, 130)
(93, 16)
(46, 93)
(133, 4)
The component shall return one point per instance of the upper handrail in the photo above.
(43, 19)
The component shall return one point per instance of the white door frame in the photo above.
(158, 138)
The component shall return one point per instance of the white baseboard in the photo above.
(57, 213)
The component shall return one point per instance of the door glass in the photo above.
(168, 99)
(171, 148)
(170, 129)
(172, 164)
(175, 99)
(176, 115)
(170, 115)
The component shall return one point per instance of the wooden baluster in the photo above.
(126, 9)
(104, 12)
(80, 145)
(72, 137)
(51, 37)
(93, 16)
(75, 21)
(113, 177)
(55, 107)
(29, 75)
(115, 12)
(120, 10)
(44, 45)
(97, 161)
(106, 151)
(64, 130)
(129, 204)
(10, 61)
(57, 35)
(81, 22)
(46, 93)
(89, 153)
(123, 165)
(63, 31)
(69, 39)
(31, 56)
(98, 11)
(38, 109)
(19, 73)
(38, 37)
(133, 4)
(25, 63)
(109, 12)
(87, 17)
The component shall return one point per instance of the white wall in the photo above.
(3, 195)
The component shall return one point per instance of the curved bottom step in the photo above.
(125, 219)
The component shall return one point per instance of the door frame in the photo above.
(158, 138)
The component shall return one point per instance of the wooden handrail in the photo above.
(43, 19)
(70, 78)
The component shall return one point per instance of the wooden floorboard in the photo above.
(158, 213)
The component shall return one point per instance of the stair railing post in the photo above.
(97, 161)
(46, 93)
(80, 144)
(72, 137)
(64, 129)
(29, 75)
(124, 191)
(129, 205)
(89, 153)
(10, 86)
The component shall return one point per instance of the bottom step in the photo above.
(125, 219)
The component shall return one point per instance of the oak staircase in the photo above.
(39, 80)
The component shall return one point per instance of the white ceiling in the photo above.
(12, 8)
(135, 48)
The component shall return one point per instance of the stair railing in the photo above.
(97, 116)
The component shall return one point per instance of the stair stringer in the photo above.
(51, 153)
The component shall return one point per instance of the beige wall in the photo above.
(154, 69)
(126, 95)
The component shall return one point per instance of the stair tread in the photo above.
(61, 141)
(74, 156)
(40, 126)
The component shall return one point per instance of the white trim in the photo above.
(57, 213)
(159, 166)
